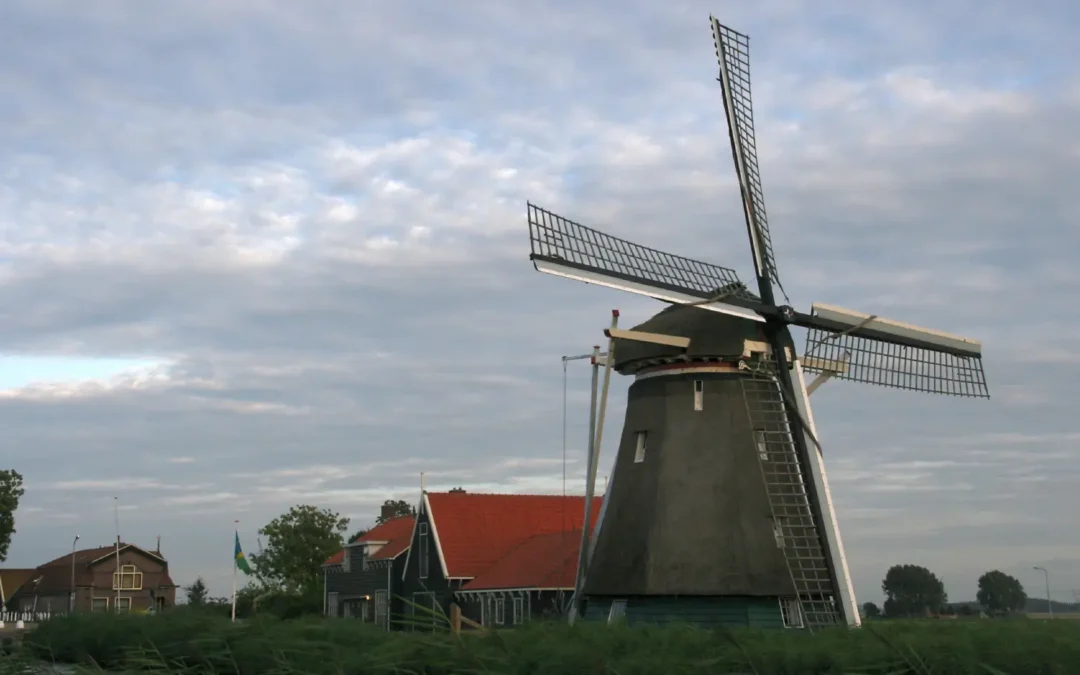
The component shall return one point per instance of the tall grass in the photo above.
(197, 643)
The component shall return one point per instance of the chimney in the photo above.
(387, 512)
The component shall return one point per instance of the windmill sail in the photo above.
(733, 55)
(568, 249)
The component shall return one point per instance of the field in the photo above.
(195, 643)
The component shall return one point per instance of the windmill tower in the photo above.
(718, 508)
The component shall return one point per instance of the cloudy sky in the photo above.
(256, 254)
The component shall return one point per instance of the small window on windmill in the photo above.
(699, 395)
(641, 440)
(778, 531)
(618, 610)
(791, 613)
(762, 445)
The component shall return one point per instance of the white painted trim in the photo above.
(710, 368)
(653, 338)
(848, 603)
(643, 289)
(897, 328)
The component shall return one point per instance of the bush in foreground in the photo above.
(193, 642)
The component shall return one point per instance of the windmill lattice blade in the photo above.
(558, 239)
(733, 53)
(894, 365)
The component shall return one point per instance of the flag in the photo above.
(241, 561)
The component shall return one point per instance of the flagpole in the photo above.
(119, 579)
(235, 564)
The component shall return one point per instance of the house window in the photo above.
(791, 613)
(642, 438)
(762, 445)
(346, 560)
(423, 552)
(99, 605)
(618, 610)
(380, 608)
(123, 604)
(519, 611)
(332, 603)
(699, 395)
(127, 579)
(500, 611)
(778, 531)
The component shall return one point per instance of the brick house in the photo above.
(141, 583)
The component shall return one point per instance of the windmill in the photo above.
(718, 507)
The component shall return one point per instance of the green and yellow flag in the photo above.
(241, 561)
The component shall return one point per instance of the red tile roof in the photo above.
(397, 532)
(543, 561)
(476, 530)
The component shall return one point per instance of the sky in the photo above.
(259, 254)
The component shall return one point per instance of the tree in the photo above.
(870, 610)
(1000, 593)
(11, 491)
(297, 543)
(912, 590)
(356, 535)
(197, 594)
(458, 489)
(393, 508)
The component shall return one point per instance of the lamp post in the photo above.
(1049, 605)
(71, 602)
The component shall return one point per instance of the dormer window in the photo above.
(129, 578)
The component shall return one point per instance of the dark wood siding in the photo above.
(434, 591)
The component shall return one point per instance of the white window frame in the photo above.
(791, 613)
(333, 603)
(762, 445)
(519, 610)
(500, 611)
(699, 395)
(99, 598)
(123, 604)
(382, 607)
(127, 572)
(641, 444)
(423, 552)
(617, 611)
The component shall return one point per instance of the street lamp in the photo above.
(1049, 605)
(71, 602)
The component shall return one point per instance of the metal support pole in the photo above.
(71, 601)
(1049, 605)
(579, 580)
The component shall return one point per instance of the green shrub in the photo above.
(200, 642)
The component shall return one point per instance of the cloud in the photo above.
(309, 220)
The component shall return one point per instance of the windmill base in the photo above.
(707, 612)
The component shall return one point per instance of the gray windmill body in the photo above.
(718, 509)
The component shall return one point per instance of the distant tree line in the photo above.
(914, 591)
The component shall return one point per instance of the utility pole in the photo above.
(1049, 605)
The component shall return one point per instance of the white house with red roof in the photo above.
(502, 558)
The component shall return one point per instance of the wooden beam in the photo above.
(825, 365)
(751, 347)
(655, 338)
